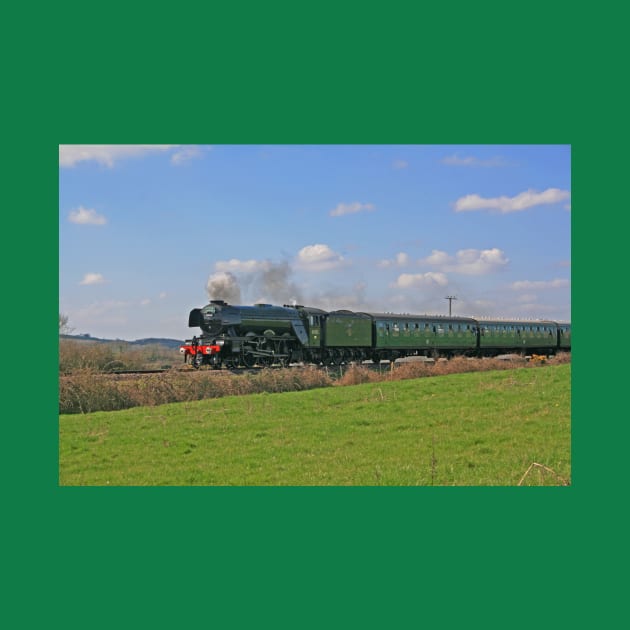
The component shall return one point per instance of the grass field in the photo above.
(480, 428)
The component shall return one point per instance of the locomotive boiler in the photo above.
(244, 335)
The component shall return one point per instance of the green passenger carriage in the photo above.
(499, 336)
(403, 335)
(564, 336)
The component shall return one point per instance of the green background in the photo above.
(284, 72)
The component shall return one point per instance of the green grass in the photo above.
(482, 428)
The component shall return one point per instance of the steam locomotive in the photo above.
(265, 335)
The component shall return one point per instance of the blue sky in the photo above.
(147, 232)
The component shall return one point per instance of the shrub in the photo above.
(86, 390)
(107, 357)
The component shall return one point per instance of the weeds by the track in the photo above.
(86, 390)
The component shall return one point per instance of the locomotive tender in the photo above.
(265, 335)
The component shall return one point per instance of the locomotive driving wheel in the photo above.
(249, 360)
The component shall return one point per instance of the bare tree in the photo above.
(64, 328)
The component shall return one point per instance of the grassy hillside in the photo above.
(482, 428)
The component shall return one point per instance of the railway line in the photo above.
(329, 369)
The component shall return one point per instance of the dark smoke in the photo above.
(274, 284)
(223, 285)
(269, 282)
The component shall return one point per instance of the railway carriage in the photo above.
(500, 336)
(564, 336)
(404, 335)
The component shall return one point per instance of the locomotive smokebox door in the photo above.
(195, 319)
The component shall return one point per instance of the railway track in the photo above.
(332, 369)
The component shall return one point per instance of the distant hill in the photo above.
(169, 343)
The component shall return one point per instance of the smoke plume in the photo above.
(253, 281)
(273, 284)
(223, 285)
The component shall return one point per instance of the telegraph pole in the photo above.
(450, 299)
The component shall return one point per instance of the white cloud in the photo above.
(185, 155)
(109, 313)
(400, 260)
(93, 278)
(86, 216)
(472, 262)
(529, 285)
(240, 266)
(455, 160)
(318, 257)
(506, 205)
(107, 154)
(351, 208)
(415, 280)
(438, 258)
(162, 295)
(400, 164)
